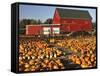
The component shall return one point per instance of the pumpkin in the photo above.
(27, 65)
(31, 62)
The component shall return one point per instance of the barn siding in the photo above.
(34, 30)
(76, 25)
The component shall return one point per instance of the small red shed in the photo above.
(42, 29)
(72, 20)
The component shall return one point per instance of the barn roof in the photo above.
(70, 13)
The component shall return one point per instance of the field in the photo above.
(36, 54)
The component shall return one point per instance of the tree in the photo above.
(33, 21)
(48, 21)
(39, 21)
(24, 22)
(94, 25)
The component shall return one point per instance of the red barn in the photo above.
(72, 20)
(64, 20)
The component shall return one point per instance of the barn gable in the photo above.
(70, 13)
(56, 18)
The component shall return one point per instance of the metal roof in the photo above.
(72, 13)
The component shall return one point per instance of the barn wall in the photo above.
(76, 25)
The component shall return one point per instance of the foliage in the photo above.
(94, 25)
(48, 21)
(24, 22)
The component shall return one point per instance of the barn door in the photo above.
(56, 30)
(46, 30)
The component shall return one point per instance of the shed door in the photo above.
(56, 30)
(46, 30)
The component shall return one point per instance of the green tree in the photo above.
(32, 21)
(94, 25)
(24, 22)
(39, 21)
(48, 21)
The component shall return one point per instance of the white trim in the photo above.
(50, 24)
(43, 24)
(26, 29)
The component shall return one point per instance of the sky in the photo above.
(45, 12)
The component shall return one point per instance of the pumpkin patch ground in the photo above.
(36, 54)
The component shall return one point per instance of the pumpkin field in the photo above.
(58, 54)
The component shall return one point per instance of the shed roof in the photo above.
(44, 25)
(71, 13)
